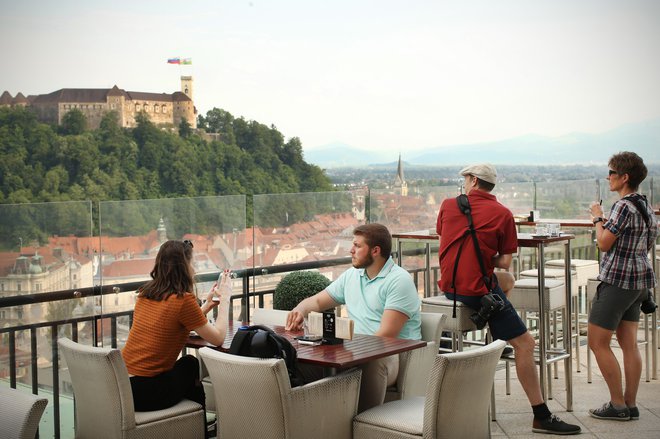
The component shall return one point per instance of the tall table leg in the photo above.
(542, 327)
(568, 336)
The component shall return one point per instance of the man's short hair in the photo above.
(484, 185)
(629, 163)
(376, 235)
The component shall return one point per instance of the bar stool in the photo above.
(552, 272)
(525, 298)
(584, 269)
(458, 326)
(592, 285)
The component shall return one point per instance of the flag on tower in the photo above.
(173, 60)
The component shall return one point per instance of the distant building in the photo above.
(399, 180)
(162, 108)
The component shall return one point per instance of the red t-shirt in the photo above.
(496, 233)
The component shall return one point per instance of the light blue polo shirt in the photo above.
(367, 299)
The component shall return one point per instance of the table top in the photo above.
(524, 239)
(561, 222)
(419, 234)
(530, 240)
(361, 349)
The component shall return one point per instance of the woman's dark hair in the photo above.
(172, 272)
(376, 235)
(629, 163)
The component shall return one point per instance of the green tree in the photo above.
(74, 122)
(185, 130)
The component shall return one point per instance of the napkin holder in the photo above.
(333, 329)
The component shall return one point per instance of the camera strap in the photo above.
(464, 207)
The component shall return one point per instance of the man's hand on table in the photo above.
(294, 320)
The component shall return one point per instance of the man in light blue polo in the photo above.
(381, 299)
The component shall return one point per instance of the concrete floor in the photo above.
(514, 414)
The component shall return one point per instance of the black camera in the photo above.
(490, 304)
(648, 305)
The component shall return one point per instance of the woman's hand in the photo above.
(220, 292)
(596, 210)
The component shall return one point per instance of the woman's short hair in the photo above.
(172, 272)
(629, 163)
(376, 235)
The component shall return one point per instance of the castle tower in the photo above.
(187, 86)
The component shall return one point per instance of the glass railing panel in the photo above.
(131, 233)
(518, 197)
(302, 227)
(38, 256)
(413, 209)
(566, 199)
(409, 209)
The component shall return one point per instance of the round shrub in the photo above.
(296, 286)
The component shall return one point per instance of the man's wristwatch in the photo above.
(598, 219)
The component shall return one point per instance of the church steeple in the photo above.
(400, 180)
(162, 231)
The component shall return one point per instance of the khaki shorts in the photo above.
(613, 304)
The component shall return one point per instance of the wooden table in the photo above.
(362, 349)
(526, 240)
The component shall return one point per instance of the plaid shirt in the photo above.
(627, 265)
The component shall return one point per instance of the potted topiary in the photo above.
(296, 286)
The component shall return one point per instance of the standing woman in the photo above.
(626, 274)
(165, 312)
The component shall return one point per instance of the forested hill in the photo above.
(40, 162)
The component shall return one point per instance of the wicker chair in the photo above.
(254, 399)
(104, 400)
(415, 366)
(20, 414)
(455, 406)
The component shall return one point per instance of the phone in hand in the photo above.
(217, 284)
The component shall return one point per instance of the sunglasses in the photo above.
(188, 242)
(612, 172)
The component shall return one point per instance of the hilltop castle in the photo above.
(94, 103)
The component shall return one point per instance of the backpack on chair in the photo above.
(262, 342)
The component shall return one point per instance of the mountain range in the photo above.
(574, 148)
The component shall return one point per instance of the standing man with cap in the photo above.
(497, 237)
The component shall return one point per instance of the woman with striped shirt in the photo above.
(626, 274)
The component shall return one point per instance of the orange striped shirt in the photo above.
(159, 332)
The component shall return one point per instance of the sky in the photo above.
(378, 75)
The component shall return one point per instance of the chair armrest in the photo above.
(325, 408)
(414, 370)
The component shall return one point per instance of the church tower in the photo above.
(399, 180)
(187, 86)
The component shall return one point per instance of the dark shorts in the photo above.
(505, 324)
(613, 304)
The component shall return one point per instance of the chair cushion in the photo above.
(406, 416)
(524, 295)
(181, 408)
(549, 273)
(583, 268)
(443, 305)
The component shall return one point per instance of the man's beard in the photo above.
(366, 262)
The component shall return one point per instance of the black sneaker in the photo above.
(634, 413)
(554, 425)
(607, 411)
